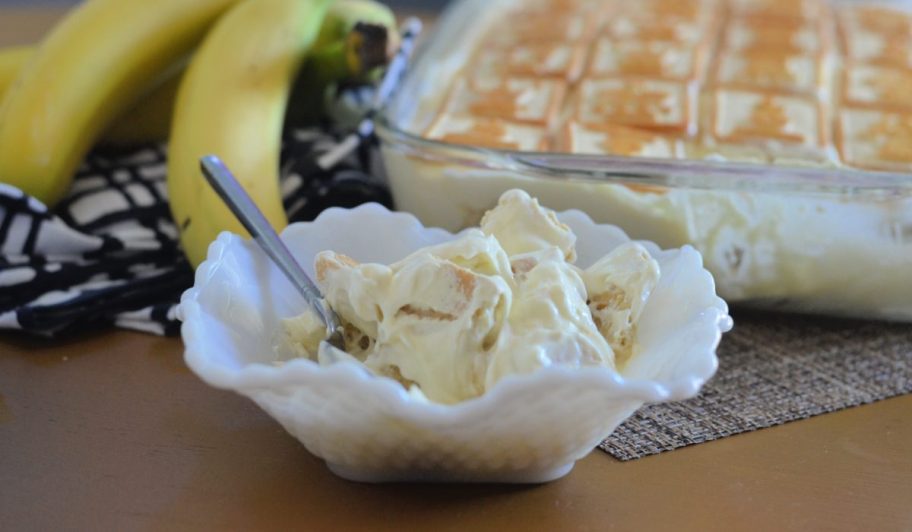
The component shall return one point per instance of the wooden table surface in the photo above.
(110, 431)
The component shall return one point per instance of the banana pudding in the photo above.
(451, 320)
(760, 132)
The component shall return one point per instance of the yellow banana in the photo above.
(101, 59)
(231, 103)
(148, 121)
(11, 62)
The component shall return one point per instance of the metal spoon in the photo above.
(252, 218)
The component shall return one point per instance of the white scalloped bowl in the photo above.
(529, 428)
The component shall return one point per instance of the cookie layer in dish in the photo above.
(758, 81)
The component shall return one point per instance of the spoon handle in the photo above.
(252, 218)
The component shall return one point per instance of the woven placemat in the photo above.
(775, 368)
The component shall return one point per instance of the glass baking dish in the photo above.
(805, 238)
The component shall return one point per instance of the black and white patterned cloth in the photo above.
(108, 253)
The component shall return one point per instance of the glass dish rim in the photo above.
(670, 173)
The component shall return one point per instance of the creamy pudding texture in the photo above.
(449, 321)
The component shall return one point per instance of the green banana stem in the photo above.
(349, 60)
(344, 15)
(369, 44)
(335, 61)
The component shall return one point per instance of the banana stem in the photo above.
(369, 43)
(333, 62)
(349, 60)
(391, 79)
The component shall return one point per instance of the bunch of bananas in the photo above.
(215, 76)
